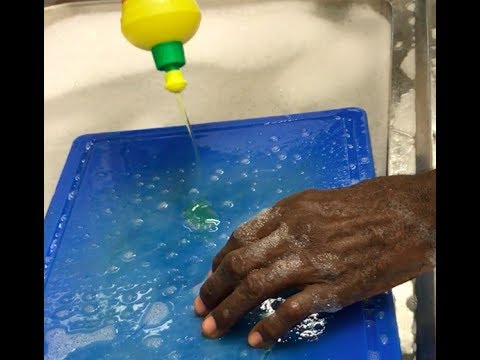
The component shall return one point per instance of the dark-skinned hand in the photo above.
(336, 247)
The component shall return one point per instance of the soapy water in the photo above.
(143, 262)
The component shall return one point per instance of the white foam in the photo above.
(247, 231)
(405, 317)
(153, 341)
(408, 64)
(155, 314)
(264, 246)
(60, 344)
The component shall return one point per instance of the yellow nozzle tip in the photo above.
(174, 81)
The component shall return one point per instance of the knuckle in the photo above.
(295, 311)
(234, 263)
(254, 285)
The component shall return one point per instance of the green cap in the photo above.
(169, 56)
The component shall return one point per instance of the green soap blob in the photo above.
(201, 217)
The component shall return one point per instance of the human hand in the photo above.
(336, 247)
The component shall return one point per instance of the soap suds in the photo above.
(156, 312)
(60, 344)
(408, 64)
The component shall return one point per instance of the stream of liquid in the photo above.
(183, 111)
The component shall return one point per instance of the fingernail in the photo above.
(209, 326)
(199, 306)
(255, 339)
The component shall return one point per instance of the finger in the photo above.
(198, 305)
(290, 313)
(238, 263)
(258, 227)
(258, 286)
(232, 244)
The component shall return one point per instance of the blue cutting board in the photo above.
(122, 266)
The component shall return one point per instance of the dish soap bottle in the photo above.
(162, 27)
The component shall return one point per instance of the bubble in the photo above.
(137, 201)
(228, 203)
(282, 156)
(150, 186)
(169, 290)
(165, 191)
(381, 315)
(184, 241)
(244, 175)
(138, 222)
(253, 189)
(278, 166)
(171, 255)
(297, 157)
(128, 256)
(214, 178)
(373, 355)
(153, 341)
(163, 205)
(108, 211)
(71, 195)
(62, 313)
(113, 269)
(245, 161)
(384, 339)
(369, 323)
(353, 166)
(173, 356)
(140, 184)
(279, 191)
(194, 191)
(219, 171)
(137, 176)
(273, 138)
(305, 133)
(89, 308)
(210, 245)
(223, 237)
(275, 149)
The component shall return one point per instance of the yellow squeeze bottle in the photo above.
(162, 27)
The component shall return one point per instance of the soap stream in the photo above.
(183, 111)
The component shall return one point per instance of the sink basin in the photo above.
(254, 58)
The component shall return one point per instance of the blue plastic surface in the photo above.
(122, 270)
